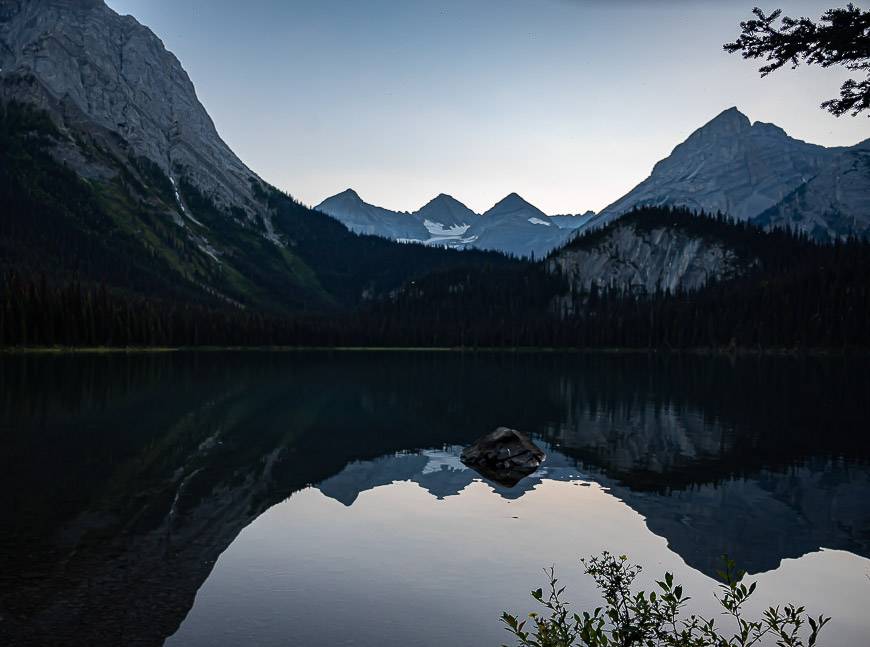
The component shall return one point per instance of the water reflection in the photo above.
(126, 478)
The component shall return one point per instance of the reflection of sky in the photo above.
(568, 102)
(400, 567)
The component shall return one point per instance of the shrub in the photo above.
(656, 619)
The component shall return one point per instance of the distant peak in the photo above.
(731, 120)
(345, 197)
(511, 199)
(442, 205)
(513, 202)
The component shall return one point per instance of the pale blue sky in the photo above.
(567, 102)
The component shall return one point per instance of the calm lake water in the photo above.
(318, 498)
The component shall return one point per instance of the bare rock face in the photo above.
(834, 204)
(505, 456)
(730, 165)
(644, 261)
(85, 64)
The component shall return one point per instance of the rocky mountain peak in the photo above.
(446, 211)
(445, 202)
(727, 124)
(728, 165)
(730, 120)
(349, 194)
(511, 202)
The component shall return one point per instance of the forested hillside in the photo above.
(122, 230)
(793, 293)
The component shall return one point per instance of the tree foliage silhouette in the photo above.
(840, 37)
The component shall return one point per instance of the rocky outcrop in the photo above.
(505, 456)
(643, 261)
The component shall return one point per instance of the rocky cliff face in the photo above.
(834, 204)
(640, 260)
(730, 165)
(89, 66)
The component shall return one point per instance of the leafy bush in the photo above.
(656, 618)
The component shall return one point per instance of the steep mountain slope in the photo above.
(834, 204)
(114, 173)
(730, 165)
(82, 60)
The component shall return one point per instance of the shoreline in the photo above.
(144, 350)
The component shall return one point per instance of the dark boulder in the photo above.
(505, 456)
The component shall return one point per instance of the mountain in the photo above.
(447, 212)
(747, 171)
(364, 218)
(513, 226)
(106, 75)
(729, 165)
(112, 172)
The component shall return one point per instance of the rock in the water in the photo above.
(505, 456)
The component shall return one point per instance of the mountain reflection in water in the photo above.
(127, 477)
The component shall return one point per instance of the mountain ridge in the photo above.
(742, 169)
(512, 226)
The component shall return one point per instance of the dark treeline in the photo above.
(793, 293)
(805, 295)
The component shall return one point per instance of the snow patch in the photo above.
(181, 204)
(538, 221)
(438, 229)
(439, 460)
(207, 249)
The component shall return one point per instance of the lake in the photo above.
(317, 498)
